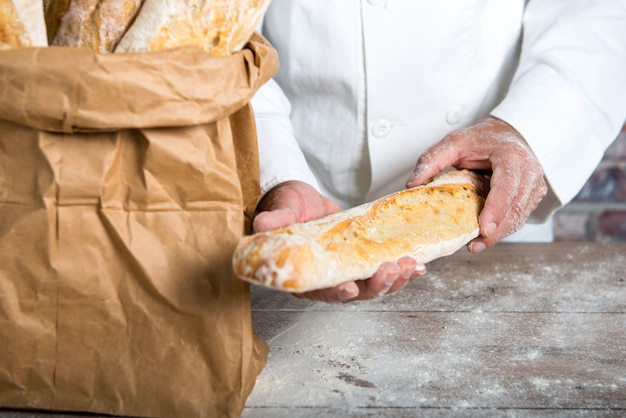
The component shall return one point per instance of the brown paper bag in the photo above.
(125, 182)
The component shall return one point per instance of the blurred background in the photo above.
(598, 213)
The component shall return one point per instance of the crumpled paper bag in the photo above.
(126, 181)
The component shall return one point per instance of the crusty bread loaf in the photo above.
(218, 26)
(97, 24)
(22, 23)
(425, 223)
(54, 11)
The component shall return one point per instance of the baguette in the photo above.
(54, 10)
(22, 23)
(425, 222)
(97, 24)
(218, 26)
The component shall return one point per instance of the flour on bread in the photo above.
(22, 23)
(425, 223)
(218, 26)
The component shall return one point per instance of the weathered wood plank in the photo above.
(446, 360)
(392, 412)
(518, 329)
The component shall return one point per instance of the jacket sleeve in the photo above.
(280, 157)
(568, 95)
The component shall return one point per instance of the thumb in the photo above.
(273, 219)
(431, 163)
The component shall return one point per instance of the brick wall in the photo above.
(598, 213)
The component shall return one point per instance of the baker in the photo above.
(376, 95)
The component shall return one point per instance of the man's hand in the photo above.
(294, 201)
(291, 202)
(517, 183)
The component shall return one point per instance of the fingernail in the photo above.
(476, 247)
(347, 294)
(490, 229)
(419, 271)
(391, 278)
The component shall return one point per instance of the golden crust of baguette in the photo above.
(425, 223)
(218, 26)
(54, 11)
(12, 29)
(22, 23)
(97, 24)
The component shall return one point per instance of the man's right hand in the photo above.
(291, 202)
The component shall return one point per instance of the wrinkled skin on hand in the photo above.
(517, 181)
(295, 201)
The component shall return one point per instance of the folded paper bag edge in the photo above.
(146, 90)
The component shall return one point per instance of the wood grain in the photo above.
(520, 329)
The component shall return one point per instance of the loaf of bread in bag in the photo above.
(425, 222)
(22, 23)
(218, 26)
(97, 24)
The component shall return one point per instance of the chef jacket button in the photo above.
(381, 128)
(454, 115)
(376, 2)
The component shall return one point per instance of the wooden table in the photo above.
(521, 329)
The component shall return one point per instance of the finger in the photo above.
(389, 278)
(503, 201)
(502, 207)
(522, 207)
(378, 285)
(518, 208)
(439, 157)
(409, 270)
(381, 281)
(431, 163)
(342, 293)
(269, 220)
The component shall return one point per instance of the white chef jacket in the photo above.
(366, 86)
